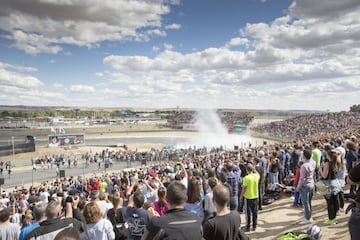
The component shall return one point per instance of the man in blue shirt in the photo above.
(39, 216)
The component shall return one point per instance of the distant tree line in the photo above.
(355, 108)
(113, 114)
(79, 114)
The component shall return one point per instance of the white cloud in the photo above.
(18, 80)
(17, 67)
(82, 89)
(308, 55)
(173, 26)
(43, 26)
(237, 42)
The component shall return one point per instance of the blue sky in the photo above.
(246, 54)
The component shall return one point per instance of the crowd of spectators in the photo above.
(140, 203)
(313, 126)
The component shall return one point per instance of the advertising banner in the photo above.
(66, 140)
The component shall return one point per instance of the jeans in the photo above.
(234, 202)
(274, 179)
(251, 209)
(306, 196)
(297, 199)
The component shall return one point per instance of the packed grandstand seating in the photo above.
(311, 126)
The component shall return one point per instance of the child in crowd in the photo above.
(297, 199)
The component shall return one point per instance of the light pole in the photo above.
(13, 155)
(32, 176)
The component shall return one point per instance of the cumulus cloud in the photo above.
(307, 45)
(312, 48)
(17, 87)
(43, 26)
(237, 42)
(11, 76)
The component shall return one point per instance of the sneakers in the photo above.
(306, 221)
(246, 229)
(330, 221)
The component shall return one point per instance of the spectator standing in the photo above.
(161, 206)
(194, 201)
(54, 222)
(274, 169)
(96, 226)
(8, 230)
(353, 222)
(297, 199)
(176, 223)
(136, 216)
(329, 172)
(250, 193)
(226, 224)
(316, 156)
(209, 206)
(306, 185)
(262, 175)
(233, 179)
(39, 216)
(352, 159)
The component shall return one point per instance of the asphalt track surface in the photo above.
(26, 176)
(22, 173)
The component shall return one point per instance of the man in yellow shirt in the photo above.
(250, 193)
(103, 185)
(316, 155)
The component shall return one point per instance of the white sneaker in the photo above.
(305, 221)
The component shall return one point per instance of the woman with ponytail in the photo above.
(161, 205)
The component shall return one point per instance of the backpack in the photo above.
(119, 224)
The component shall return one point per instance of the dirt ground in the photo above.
(280, 217)
(275, 219)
